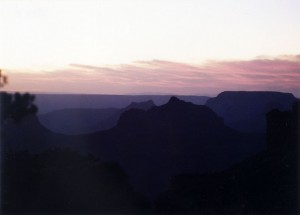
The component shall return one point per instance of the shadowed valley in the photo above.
(177, 157)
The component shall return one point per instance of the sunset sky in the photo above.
(159, 46)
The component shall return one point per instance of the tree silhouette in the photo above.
(3, 79)
(16, 106)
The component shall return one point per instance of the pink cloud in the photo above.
(278, 74)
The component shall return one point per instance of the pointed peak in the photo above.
(175, 100)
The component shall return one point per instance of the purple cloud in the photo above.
(210, 78)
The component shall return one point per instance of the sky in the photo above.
(200, 47)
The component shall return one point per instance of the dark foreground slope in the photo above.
(245, 111)
(265, 184)
(65, 182)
